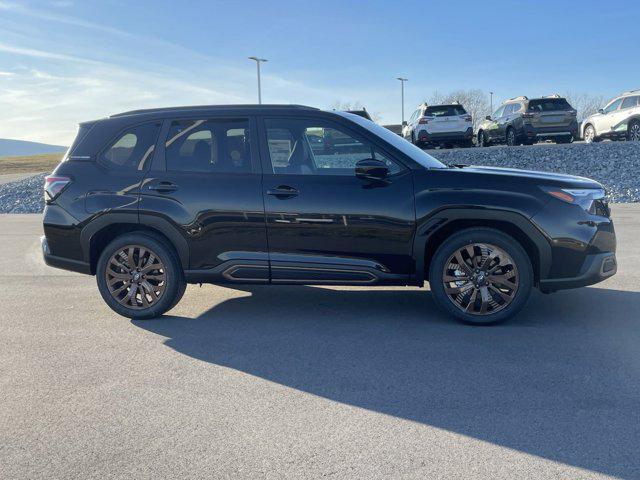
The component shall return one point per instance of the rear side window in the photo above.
(209, 146)
(630, 102)
(445, 111)
(133, 150)
(549, 105)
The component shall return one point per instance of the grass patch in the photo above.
(30, 163)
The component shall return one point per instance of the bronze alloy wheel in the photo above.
(480, 279)
(135, 277)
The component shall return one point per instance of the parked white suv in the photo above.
(620, 119)
(443, 125)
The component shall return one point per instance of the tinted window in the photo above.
(301, 147)
(444, 111)
(133, 150)
(208, 146)
(630, 102)
(549, 105)
(613, 106)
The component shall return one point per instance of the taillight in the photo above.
(467, 118)
(54, 185)
(424, 120)
(527, 115)
(573, 113)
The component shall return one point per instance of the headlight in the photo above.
(592, 200)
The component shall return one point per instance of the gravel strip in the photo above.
(615, 164)
(25, 196)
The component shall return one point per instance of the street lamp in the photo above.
(491, 103)
(258, 61)
(402, 80)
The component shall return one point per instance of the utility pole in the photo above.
(402, 80)
(258, 61)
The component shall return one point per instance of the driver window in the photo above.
(298, 147)
(498, 113)
(612, 106)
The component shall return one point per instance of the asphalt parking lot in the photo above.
(309, 382)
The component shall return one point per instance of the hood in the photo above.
(532, 176)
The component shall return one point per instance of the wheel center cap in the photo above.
(136, 277)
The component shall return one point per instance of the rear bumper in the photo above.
(596, 268)
(61, 262)
(540, 132)
(462, 136)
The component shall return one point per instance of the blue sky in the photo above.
(65, 61)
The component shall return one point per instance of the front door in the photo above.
(325, 225)
(208, 187)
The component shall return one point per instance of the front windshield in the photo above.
(395, 140)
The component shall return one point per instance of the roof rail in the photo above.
(521, 97)
(631, 91)
(209, 107)
(555, 95)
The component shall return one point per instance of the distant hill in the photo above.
(22, 147)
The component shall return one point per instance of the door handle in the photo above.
(283, 191)
(163, 187)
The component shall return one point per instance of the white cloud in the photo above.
(6, 74)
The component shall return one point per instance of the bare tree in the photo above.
(357, 105)
(475, 102)
(585, 103)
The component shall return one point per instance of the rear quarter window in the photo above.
(133, 149)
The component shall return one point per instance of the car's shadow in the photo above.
(561, 381)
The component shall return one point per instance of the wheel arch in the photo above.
(437, 229)
(97, 235)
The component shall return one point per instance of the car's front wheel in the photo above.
(590, 134)
(481, 275)
(511, 137)
(482, 139)
(140, 276)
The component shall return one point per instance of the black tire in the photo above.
(174, 283)
(633, 131)
(482, 139)
(589, 134)
(486, 236)
(466, 144)
(511, 138)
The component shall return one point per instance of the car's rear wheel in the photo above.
(140, 276)
(511, 137)
(633, 131)
(590, 134)
(481, 275)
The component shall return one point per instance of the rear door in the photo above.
(324, 224)
(207, 184)
(620, 118)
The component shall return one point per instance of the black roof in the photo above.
(201, 108)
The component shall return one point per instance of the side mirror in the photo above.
(601, 110)
(404, 124)
(371, 169)
(488, 117)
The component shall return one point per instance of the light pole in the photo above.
(491, 102)
(402, 80)
(258, 61)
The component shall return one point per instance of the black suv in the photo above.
(525, 121)
(150, 200)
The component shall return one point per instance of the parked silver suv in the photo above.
(439, 125)
(620, 119)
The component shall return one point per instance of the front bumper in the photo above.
(596, 268)
(441, 137)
